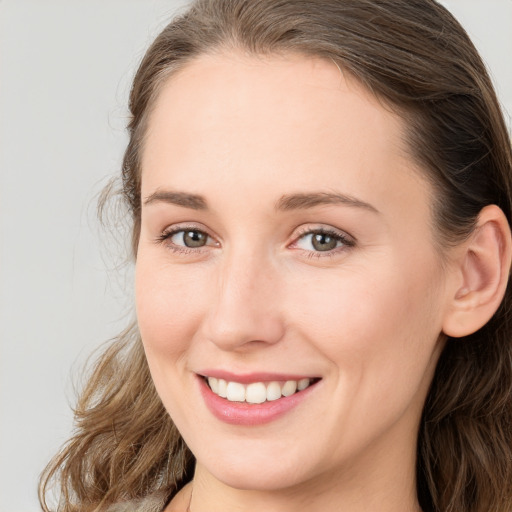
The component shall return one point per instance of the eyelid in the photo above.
(323, 228)
(183, 226)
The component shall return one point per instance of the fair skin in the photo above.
(345, 288)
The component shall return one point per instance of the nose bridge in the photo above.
(245, 307)
(244, 273)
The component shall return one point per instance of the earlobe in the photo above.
(483, 267)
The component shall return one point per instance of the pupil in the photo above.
(323, 242)
(194, 239)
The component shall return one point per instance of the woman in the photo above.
(321, 201)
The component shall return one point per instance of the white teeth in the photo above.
(222, 388)
(273, 391)
(289, 387)
(235, 392)
(214, 384)
(302, 384)
(256, 392)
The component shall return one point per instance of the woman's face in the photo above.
(286, 241)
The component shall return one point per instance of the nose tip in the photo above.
(245, 311)
(243, 330)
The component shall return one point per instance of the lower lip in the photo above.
(242, 413)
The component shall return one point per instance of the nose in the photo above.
(245, 309)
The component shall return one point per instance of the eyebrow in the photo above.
(192, 201)
(300, 201)
(310, 200)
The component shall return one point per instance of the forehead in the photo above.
(286, 119)
(302, 95)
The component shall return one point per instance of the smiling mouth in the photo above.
(257, 392)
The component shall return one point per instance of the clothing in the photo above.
(153, 503)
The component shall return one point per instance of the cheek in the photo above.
(169, 308)
(379, 334)
(169, 305)
(381, 321)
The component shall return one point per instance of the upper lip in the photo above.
(247, 378)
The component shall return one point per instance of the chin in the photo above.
(262, 471)
(257, 478)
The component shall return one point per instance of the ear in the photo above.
(482, 270)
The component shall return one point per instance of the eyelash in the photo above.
(345, 240)
(166, 236)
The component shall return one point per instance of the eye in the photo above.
(192, 238)
(322, 240)
(186, 239)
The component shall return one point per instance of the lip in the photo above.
(248, 378)
(242, 413)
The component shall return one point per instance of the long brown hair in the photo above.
(414, 56)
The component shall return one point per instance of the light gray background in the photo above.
(65, 70)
